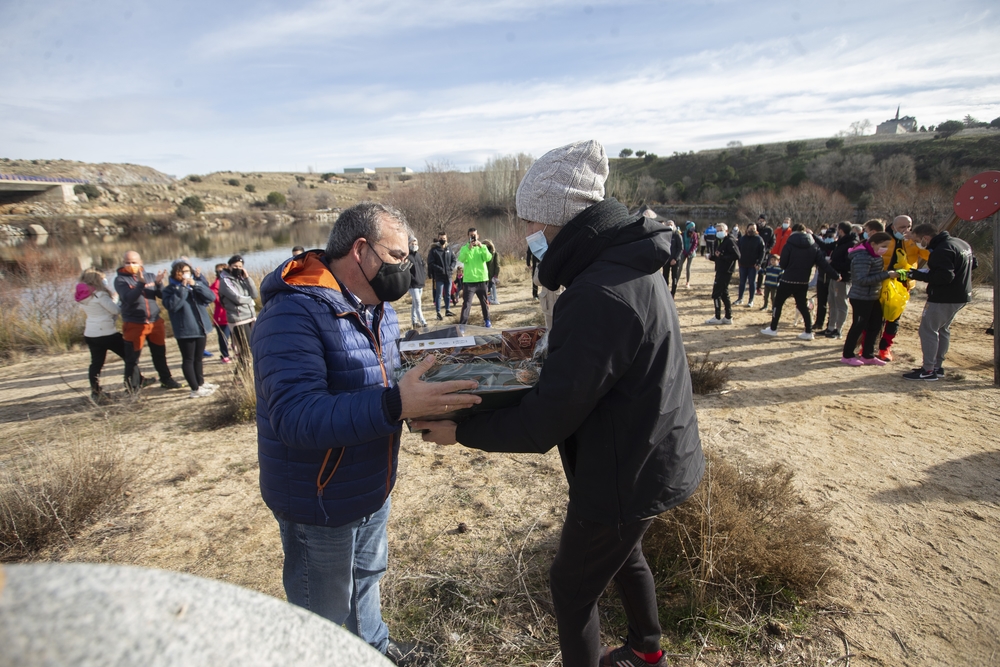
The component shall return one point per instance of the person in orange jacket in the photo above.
(781, 235)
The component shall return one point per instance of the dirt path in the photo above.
(910, 472)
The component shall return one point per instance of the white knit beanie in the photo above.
(562, 183)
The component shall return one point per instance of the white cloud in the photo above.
(338, 19)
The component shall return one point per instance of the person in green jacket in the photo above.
(475, 256)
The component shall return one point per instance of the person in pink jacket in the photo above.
(219, 319)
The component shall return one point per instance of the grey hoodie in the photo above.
(238, 295)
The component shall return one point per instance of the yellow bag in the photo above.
(893, 297)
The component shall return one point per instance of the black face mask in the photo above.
(391, 281)
(442, 242)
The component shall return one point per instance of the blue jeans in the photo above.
(748, 274)
(442, 290)
(335, 572)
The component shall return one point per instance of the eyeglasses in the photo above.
(401, 255)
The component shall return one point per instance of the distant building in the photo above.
(359, 170)
(393, 170)
(897, 125)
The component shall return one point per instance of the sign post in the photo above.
(978, 199)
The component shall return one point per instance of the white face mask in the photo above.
(720, 235)
(671, 228)
(785, 225)
(538, 244)
(921, 245)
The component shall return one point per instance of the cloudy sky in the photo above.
(198, 86)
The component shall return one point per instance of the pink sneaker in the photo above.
(874, 361)
(852, 361)
(226, 360)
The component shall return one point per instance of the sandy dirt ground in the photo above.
(909, 472)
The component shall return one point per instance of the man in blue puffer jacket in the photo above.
(329, 415)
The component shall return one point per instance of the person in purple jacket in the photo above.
(329, 416)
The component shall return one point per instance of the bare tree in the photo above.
(648, 190)
(839, 171)
(301, 199)
(439, 199)
(896, 171)
(808, 203)
(501, 176)
(860, 127)
(621, 188)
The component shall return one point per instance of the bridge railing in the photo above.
(40, 179)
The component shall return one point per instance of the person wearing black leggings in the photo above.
(99, 333)
(867, 275)
(186, 298)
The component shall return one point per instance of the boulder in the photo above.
(88, 615)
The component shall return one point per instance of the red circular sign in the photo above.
(979, 197)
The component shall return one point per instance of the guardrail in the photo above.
(39, 179)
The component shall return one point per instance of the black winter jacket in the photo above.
(949, 274)
(729, 254)
(839, 258)
(751, 251)
(138, 304)
(418, 271)
(676, 244)
(798, 258)
(767, 236)
(440, 263)
(615, 392)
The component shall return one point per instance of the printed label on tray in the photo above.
(437, 344)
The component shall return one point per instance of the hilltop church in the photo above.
(897, 125)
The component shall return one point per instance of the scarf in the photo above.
(582, 240)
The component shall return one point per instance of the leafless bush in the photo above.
(57, 489)
(648, 190)
(501, 176)
(441, 199)
(746, 539)
(37, 309)
(808, 203)
(621, 187)
(707, 376)
(893, 172)
(508, 238)
(843, 172)
(238, 404)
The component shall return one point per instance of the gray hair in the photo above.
(362, 220)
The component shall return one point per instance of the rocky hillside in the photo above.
(99, 174)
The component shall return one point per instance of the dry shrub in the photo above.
(707, 376)
(513, 271)
(37, 309)
(58, 488)
(239, 398)
(490, 606)
(746, 540)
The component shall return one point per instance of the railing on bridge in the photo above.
(39, 179)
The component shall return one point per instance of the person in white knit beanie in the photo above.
(614, 396)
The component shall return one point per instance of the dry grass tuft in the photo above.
(58, 488)
(239, 399)
(37, 309)
(745, 543)
(490, 607)
(707, 376)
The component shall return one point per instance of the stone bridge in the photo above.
(15, 188)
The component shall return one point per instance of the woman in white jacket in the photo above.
(100, 333)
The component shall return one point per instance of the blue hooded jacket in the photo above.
(327, 450)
